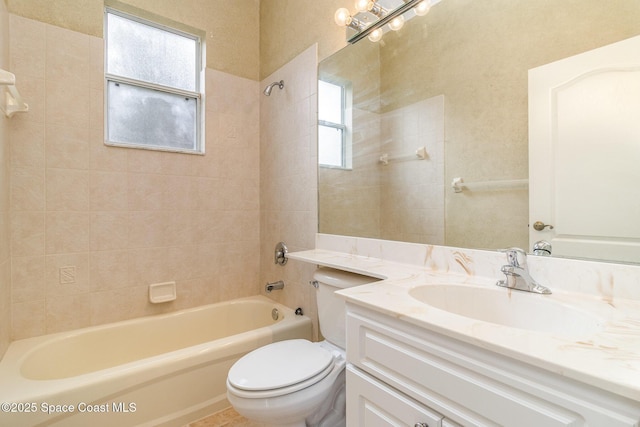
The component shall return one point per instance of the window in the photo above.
(153, 85)
(333, 147)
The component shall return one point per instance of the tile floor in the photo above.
(225, 418)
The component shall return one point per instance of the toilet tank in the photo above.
(331, 307)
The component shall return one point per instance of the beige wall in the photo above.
(124, 218)
(288, 177)
(247, 38)
(288, 27)
(5, 261)
(232, 27)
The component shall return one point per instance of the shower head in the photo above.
(268, 89)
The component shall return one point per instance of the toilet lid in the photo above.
(280, 364)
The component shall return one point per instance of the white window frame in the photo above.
(197, 95)
(345, 126)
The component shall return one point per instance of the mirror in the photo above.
(460, 74)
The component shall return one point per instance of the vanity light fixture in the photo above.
(344, 19)
(371, 7)
(397, 23)
(376, 35)
(422, 8)
(374, 31)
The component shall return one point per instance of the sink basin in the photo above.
(516, 309)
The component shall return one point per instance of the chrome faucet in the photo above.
(517, 275)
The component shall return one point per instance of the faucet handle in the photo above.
(516, 257)
(542, 247)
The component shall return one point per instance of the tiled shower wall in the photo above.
(120, 219)
(288, 177)
(5, 261)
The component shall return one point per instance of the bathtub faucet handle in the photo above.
(280, 254)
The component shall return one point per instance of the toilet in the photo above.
(297, 382)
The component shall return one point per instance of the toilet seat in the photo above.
(280, 368)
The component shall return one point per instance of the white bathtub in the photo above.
(163, 370)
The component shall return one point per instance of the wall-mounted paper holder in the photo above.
(13, 102)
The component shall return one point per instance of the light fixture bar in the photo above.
(383, 21)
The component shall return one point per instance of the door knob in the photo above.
(539, 226)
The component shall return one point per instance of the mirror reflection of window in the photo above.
(332, 130)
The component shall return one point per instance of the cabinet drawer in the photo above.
(371, 403)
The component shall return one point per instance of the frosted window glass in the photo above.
(150, 54)
(329, 102)
(142, 116)
(330, 151)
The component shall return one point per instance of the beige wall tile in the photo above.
(96, 63)
(109, 231)
(28, 147)
(149, 265)
(67, 104)
(67, 232)
(108, 191)
(104, 157)
(108, 270)
(74, 277)
(27, 233)
(28, 279)
(146, 191)
(5, 236)
(67, 190)
(67, 146)
(28, 42)
(27, 189)
(67, 54)
(117, 304)
(63, 313)
(96, 107)
(147, 228)
(28, 319)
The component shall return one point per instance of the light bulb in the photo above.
(342, 17)
(376, 35)
(396, 23)
(363, 5)
(422, 8)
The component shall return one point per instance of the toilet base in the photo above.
(296, 410)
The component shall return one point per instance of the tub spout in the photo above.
(273, 286)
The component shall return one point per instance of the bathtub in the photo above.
(162, 370)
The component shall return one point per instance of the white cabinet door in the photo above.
(371, 403)
(584, 153)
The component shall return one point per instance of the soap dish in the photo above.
(162, 292)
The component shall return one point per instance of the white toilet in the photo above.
(297, 382)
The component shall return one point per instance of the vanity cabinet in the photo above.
(401, 374)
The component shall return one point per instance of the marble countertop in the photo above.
(608, 358)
